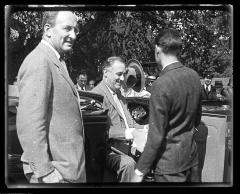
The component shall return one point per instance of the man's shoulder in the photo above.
(98, 89)
(36, 54)
(35, 60)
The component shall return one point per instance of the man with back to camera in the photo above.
(175, 111)
(121, 125)
(49, 121)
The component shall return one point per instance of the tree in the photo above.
(130, 33)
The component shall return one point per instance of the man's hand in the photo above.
(136, 178)
(53, 177)
(128, 133)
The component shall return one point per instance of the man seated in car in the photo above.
(121, 125)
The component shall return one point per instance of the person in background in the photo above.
(129, 92)
(150, 79)
(219, 87)
(15, 81)
(91, 84)
(120, 123)
(82, 81)
(227, 92)
(134, 82)
(49, 120)
(175, 112)
(208, 91)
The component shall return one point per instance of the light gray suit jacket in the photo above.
(49, 122)
(116, 122)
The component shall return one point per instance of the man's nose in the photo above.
(122, 77)
(72, 34)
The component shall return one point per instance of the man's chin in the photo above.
(118, 87)
(67, 49)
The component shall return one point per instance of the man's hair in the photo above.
(49, 17)
(170, 41)
(82, 72)
(109, 62)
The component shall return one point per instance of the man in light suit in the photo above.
(175, 112)
(49, 120)
(120, 122)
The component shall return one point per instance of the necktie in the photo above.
(208, 90)
(128, 131)
(64, 65)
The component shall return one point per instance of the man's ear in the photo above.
(105, 73)
(158, 49)
(48, 30)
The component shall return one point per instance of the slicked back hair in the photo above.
(109, 62)
(49, 17)
(82, 72)
(170, 41)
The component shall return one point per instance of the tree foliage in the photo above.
(130, 33)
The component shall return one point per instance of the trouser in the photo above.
(32, 179)
(190, 175)
(122, 165)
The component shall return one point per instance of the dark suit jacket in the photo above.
(211, 95)
(49, 122)
(175, 109)
(87, 88)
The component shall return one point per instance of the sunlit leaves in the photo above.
(206, 35)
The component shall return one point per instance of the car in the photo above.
(214, 139)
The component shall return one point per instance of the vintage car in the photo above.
(214, 139)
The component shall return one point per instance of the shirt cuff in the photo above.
(138, 172)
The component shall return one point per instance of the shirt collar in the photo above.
(170, 64)
(79, 87)
(111, 91)
(51, 47)
(209, 86)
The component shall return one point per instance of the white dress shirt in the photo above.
(81, 88)
(207, 87)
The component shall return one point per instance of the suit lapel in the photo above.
(56, 61)
(110, 98)
(126, 112)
